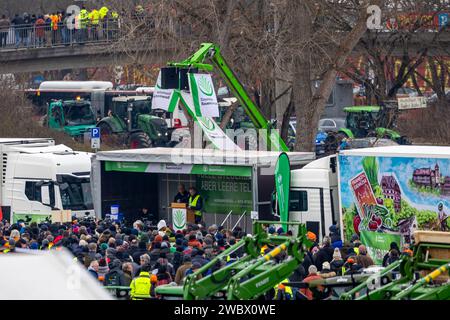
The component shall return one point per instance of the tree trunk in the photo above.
(309, 112)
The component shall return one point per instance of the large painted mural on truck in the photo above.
(385, 199)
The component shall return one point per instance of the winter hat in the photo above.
(312, 269)
(34, 246)
(333, 229)
(354, 237)
(280, 231)
(326, 266)
(104, 246)
(337, 254)
(158, 238)
(82, 243)
(271, 230)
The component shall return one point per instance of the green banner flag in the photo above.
(282, 186)
(203, 95)
(378, 243)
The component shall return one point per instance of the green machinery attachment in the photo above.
(250, 276)
(211, 51)
(405, 283)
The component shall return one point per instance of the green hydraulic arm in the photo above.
(383, 285)
(211, 51)
(444, 291)
(250, 276)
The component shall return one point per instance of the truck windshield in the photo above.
(79, 114)
(75, 193)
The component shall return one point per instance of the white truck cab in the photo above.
(38, 176)
(314, 195)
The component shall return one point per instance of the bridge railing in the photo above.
(45, 35)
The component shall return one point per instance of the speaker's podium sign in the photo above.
(179, 216)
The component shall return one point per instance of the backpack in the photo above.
(113, 278)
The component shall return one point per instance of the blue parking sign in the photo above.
(95, 133)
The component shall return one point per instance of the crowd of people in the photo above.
(39, 30)
(143, 256)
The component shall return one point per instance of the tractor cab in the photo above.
(362, 120)
(74, 117)
(134, 122)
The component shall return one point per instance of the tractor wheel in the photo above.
(139, 140)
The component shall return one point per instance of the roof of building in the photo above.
(203, 156)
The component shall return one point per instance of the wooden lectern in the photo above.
(190, 216)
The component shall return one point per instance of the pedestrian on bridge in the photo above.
(18, 22)
(40, 31)
(4, 30)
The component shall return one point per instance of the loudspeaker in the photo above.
(184, 81)
(169, 78)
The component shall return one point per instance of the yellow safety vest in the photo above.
(287, 289)
(84, 16)
(141, 286)
(193, 203)
(103, 12)
(94, 16)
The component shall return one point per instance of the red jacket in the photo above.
(306, 291)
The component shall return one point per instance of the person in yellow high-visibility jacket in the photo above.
(283, 292)
(83, 19)
(94, 19)
(103, 26)
(103, 12)
(143, 286)
(195, 203)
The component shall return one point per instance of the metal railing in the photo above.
(45, 35)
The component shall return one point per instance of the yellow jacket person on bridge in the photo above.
(83, 18)
(94, 17)
(103, 12)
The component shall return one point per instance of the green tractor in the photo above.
(74, 117)
(369, 121)
(130, 122)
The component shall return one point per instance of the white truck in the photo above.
(38, 176)
(381, 194)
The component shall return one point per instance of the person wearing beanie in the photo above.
(102, 270)
(325, 253)
(326, 271)
(312, 275)
(103, 246)
(337, 263)
(34, 245)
